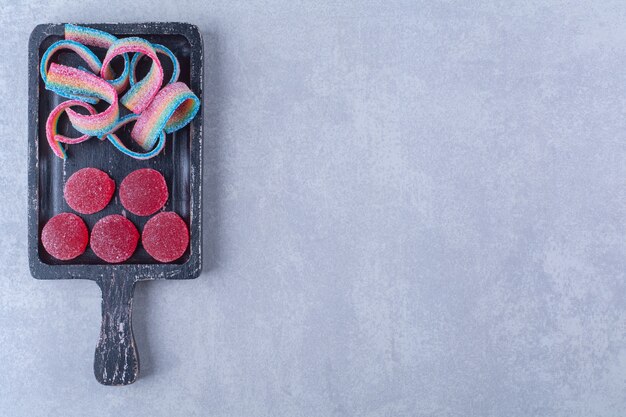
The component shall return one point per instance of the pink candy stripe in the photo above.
(142, 93)
(96, 124)
(51, 127)
(160, 111)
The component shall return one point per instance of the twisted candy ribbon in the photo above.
(54, 138)
(99, 39)
(84, 84)
(172, 108)
(142, 92)
(157, 111)
(115, 140)
(160, 49)
(82, 51)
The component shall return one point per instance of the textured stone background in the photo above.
(412, 210)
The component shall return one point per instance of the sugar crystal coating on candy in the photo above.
(114, 238)
(89, 190)
(159, 110)
(115, 140)
(160, 49)
(65, 236)
(165, 237)
(85, 53)
(83, 83)
(137, 98)
(143, 192)
(100, 39)
(172, 108)
(52, 135)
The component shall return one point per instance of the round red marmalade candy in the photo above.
(165, 237)
(89, 190)
(114, 238)
(65, 236)
(143, 192)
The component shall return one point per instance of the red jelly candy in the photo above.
(143, 192)
(89, 190)
(114, 238)
(65, 236)
(165, 237)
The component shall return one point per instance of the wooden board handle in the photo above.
(116, 361)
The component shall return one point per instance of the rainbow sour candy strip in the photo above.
(160, 49)
(99, 39)
(81, 50)
(172, 108)
(141, 93)
(115, 140)
(82, 83)
(52, 135)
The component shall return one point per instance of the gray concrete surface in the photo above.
(413, 209)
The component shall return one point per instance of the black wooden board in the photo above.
(116, 359)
